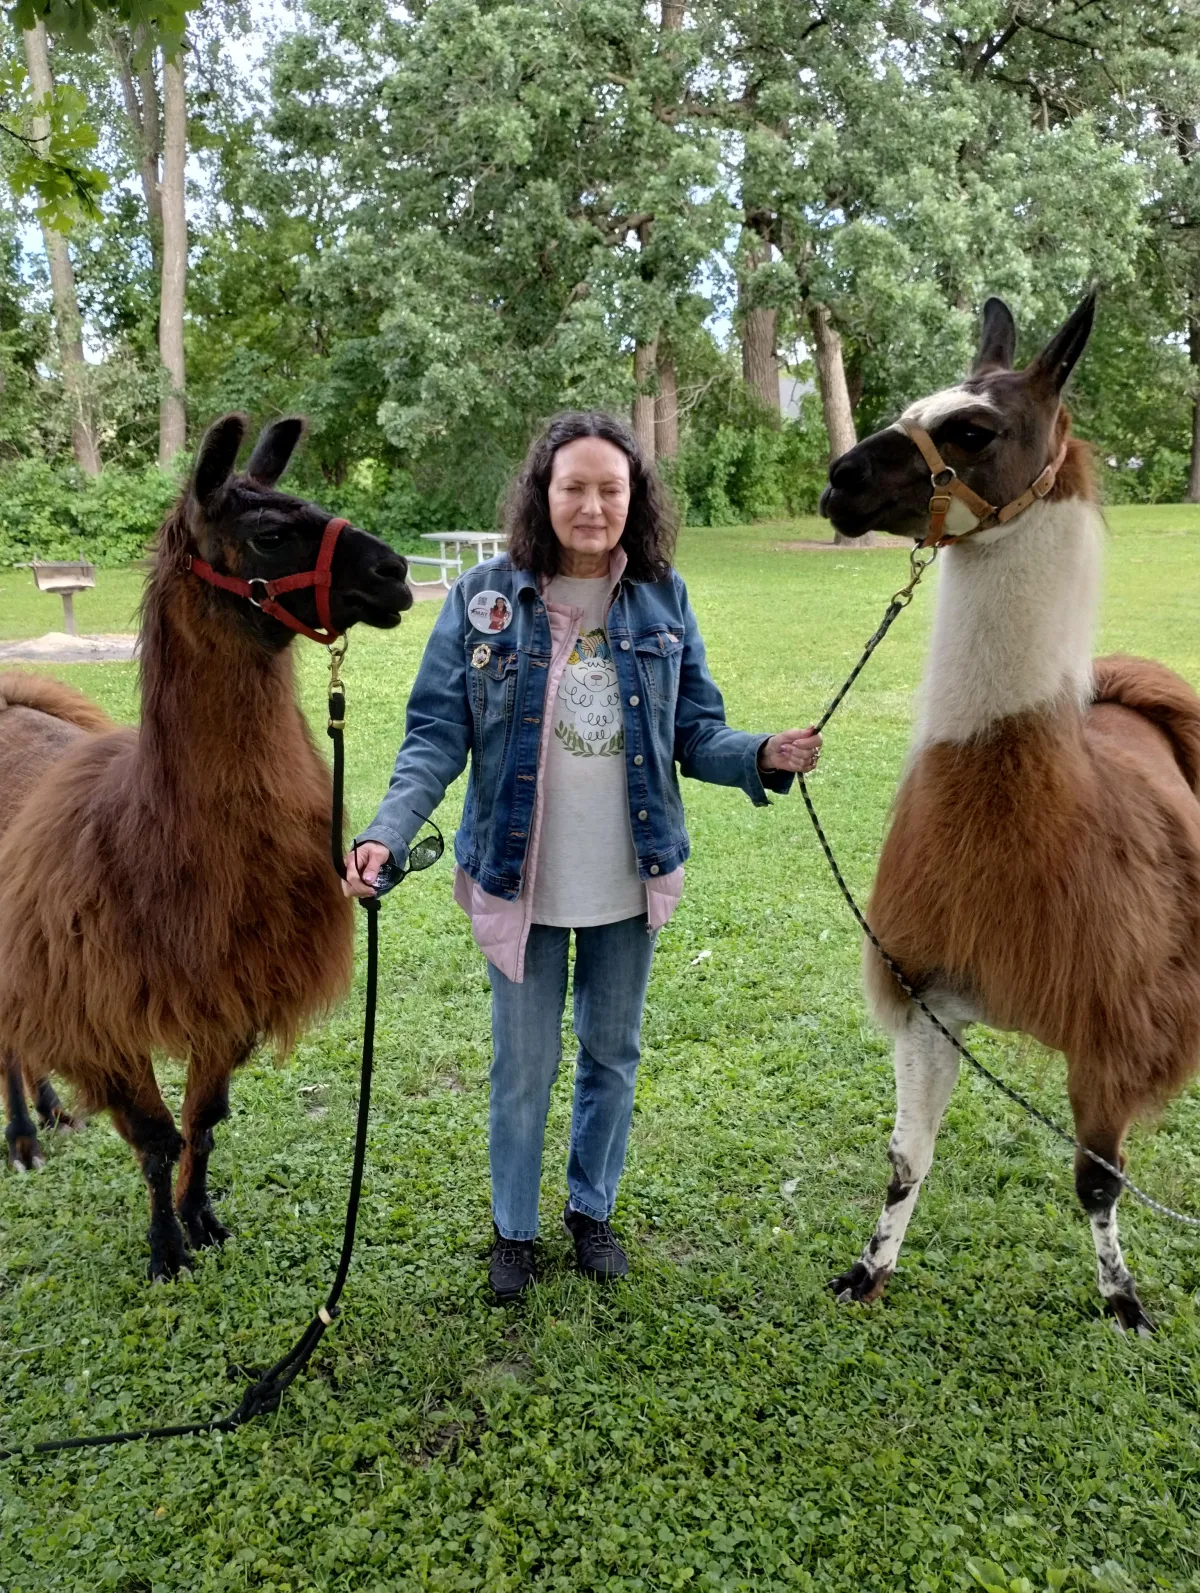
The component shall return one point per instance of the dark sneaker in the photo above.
(596, 1248)
(511, 1269)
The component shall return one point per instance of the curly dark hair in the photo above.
(649, 535)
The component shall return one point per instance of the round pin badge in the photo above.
(490, 611)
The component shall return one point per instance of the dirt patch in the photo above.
(868, 544)
(56, 647)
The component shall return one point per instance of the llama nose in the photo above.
(391, 568)
(848, 474)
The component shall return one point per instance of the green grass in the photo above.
(718, 1423)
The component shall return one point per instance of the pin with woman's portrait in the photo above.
(490, 611)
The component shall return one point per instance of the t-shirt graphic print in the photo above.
(587, 720)
(587, 870)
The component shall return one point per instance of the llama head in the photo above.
(238, 523)
(998, 429)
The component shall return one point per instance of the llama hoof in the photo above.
(168, 1255)
(24, 1153)
(60, 1122)
(860, 1285)
(1130, 1315)
(203, 1226)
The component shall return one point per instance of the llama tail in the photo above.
(53, 698)
(1160, 695)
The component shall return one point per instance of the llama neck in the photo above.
(221, 727)
(1012, 629)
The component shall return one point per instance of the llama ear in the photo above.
(997, 338)
(217, 456)
(275, 446)
(1057, 360)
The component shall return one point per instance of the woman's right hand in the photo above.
(363, 863)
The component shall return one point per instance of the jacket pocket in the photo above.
(659, 654)
(493, 683)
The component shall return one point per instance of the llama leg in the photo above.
(141, 1117)
(24, 1152)
(926, 1071)
(205, 1104)
(51, 1110)
(1098, 1192)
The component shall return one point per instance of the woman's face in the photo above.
(589, 496)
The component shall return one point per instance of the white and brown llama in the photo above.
(1041, 872)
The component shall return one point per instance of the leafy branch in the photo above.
(51, 168)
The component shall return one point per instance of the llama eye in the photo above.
(970, 438)
(266, 541)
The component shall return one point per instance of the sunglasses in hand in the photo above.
(423, 853)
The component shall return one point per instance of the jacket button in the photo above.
(654, 868)
(642, 814)
(624, 647)
(638, 759)
(634, 700)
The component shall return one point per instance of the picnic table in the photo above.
(486, 544)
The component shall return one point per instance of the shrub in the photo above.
(737, 473)
(386, 501)
(1160, 477)
(56, 512)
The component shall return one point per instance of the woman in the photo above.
(572, 672)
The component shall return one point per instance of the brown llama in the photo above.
(134, 916)
(41, 718)
(1041, 871)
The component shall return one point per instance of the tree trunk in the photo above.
(645, 366)
(68, 323)
(760, 365)
(647, 374)
(172, 424)
(835, 395)
(143, 117)
(1192, 495)
(666, 411)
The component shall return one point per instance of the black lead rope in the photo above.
(897, 605)
(265, 1393)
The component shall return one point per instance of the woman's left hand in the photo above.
(792, 751)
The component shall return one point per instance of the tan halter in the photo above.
(947, 486)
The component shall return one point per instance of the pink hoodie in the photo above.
(501, 928)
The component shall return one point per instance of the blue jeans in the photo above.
(612, 969)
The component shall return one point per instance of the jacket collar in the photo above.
(524, 581)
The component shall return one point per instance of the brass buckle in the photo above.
(919, 560)
(337, 651)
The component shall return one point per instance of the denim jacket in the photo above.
(482, 694)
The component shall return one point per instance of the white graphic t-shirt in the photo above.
(586, 866)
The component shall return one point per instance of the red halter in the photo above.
(263, 593)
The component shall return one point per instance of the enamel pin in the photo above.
(481, 657)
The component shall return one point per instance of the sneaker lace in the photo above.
(602, 1237)
(509, 1252)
